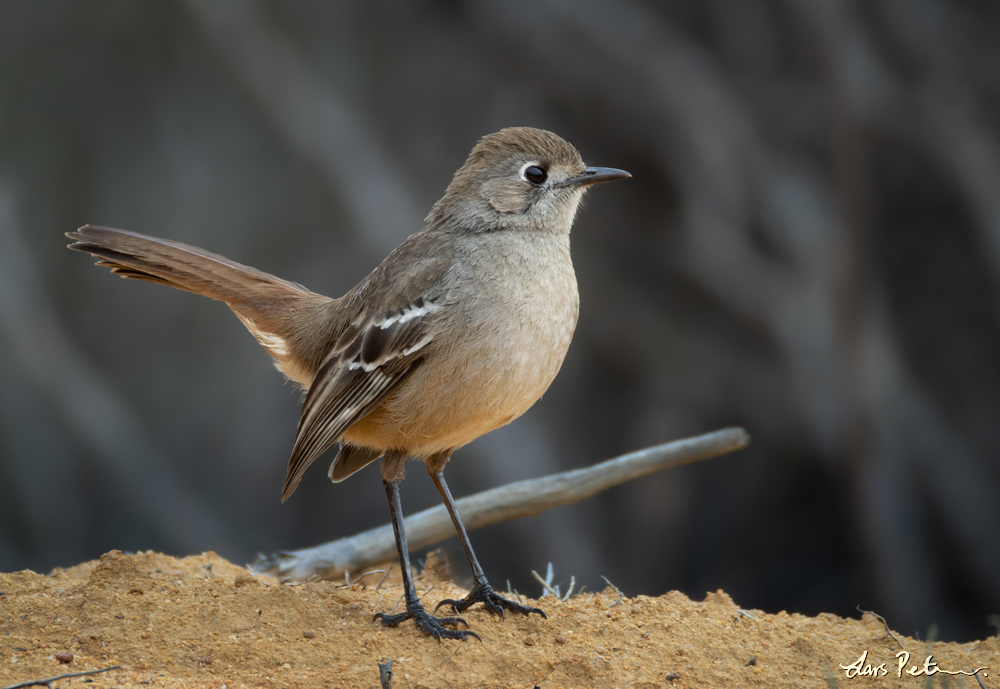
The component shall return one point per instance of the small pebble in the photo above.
(673, 676)
(309, 633)
(560, 639)
(64, 657)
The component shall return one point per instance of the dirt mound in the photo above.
(203, 622)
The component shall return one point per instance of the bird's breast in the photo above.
(509, 341)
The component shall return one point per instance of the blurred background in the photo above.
(810, 248)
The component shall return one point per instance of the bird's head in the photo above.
(519, 178)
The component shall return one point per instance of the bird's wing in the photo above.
(371, 358)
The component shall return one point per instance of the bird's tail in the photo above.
(263, 302)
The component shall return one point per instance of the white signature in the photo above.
(862, 668)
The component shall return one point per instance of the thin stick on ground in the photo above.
(457, 649)
(371, 571)
(382, 580)
(520, 499)
(888, 632)
(621, 596)
(569, 591)
(48, 681)
(546, 582)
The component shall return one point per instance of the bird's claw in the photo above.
(429, 624)
(491, 600)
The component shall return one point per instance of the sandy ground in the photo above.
(203, 622)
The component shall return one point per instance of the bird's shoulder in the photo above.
(420, 269)
(394, 311)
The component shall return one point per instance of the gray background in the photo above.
(810, 247)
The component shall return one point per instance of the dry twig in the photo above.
(520, 499)
(888, 632)
(349, 583)
(48, 681)
(621, 596)
(382, 580)
(546, 582)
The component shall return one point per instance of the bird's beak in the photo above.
(593, 175)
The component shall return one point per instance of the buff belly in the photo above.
(469, 400)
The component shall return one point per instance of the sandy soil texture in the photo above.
(204, 622)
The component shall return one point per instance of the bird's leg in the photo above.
(428, 623)
(482, 591)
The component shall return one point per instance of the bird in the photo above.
(456, 333)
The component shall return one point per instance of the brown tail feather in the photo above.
(263, 302)
(138, 256)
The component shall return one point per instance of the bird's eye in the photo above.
(535, 174)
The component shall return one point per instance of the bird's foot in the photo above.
(491, 600)
(429, 624)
